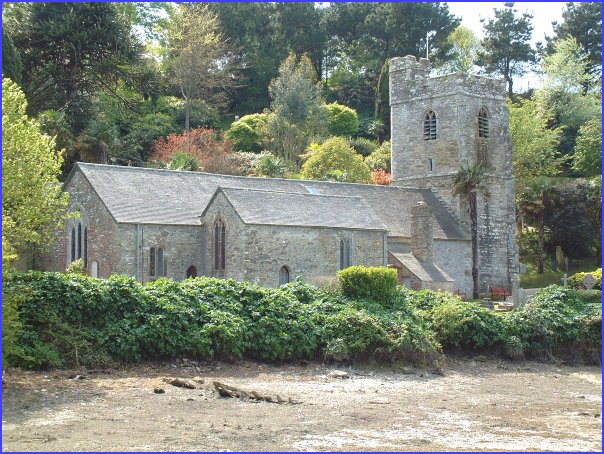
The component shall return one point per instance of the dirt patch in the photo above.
(476, 405)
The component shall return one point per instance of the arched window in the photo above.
(219, 245)
(152, 261)
(429, 125)
(85, 248)
(73, 245)
(79, 241)
(283, 275)
(161, 263)
(191, 272)
(345, 253)
(483, 123)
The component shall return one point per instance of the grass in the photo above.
(532, 279)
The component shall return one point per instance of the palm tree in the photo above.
(533, 201)
(469, 182)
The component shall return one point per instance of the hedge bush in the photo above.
(61, 320)
(373, 283)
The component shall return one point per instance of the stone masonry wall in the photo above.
(256, 253)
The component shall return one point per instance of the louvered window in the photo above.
(430, 125)
(483, 123)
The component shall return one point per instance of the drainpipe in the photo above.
(138, 253)
(385, 249)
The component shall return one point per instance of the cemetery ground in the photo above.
(475, 404)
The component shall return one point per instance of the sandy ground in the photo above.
(483, 404)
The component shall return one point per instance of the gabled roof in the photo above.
(263, 207)
(425, 271)
(157, 196)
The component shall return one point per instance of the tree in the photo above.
(200, 60)
(506, 45)
(70, 52)
(247, 132)
(465, 47)
(532, 206)
(533, 143)
(32, 200)
(335, 160)
(12, 67)
(564, 72)
(381, 122)
(468, 183)
(296, 106)
(583, 22)
(587, 159)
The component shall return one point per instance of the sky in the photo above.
(544, 13)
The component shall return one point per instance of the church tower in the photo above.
(439, 123)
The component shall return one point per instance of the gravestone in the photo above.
(522, 267)
(589, 281)
(559, 256)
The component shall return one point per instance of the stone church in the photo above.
(150, 223)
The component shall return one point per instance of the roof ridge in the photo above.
(335, 196)
(190, 173)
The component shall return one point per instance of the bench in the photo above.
(498, 292)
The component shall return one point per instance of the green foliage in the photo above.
(362, 146)
(270, 166)
(534, 146)
(380, 158)
(11, 324)
(343, 121)
(583, 22)
(244, 138)
(76, 267)
(335, 160)
(576, 280)
(381, 126)
(296, 105)
(465, 325)
(32, 200)
(12, 67)
(465, 47)
(587, 159)
(558, 321)
(506, 44)
(372, 283)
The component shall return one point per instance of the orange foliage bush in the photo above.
(381, 177)
(210, 147)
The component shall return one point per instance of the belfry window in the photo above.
(219, 245)
(483, 123)
(283, 275)
(430, 125)
(345, 253)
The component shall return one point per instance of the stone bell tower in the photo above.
(439, 123)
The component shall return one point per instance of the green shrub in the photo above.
(576, 280)
(246, 133)
(363, 146)
(465, 325)
(342, 120)
(373, 283)
(380, 158)
(558, 321)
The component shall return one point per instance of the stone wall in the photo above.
(457, 99)
(256, 253)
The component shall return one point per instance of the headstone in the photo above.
(566, 263)
(589, 281)
(522, 268)
(559, 256)
(564, 279)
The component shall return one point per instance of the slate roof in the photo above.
(425, 271)
(157, 196)
(257, 206)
